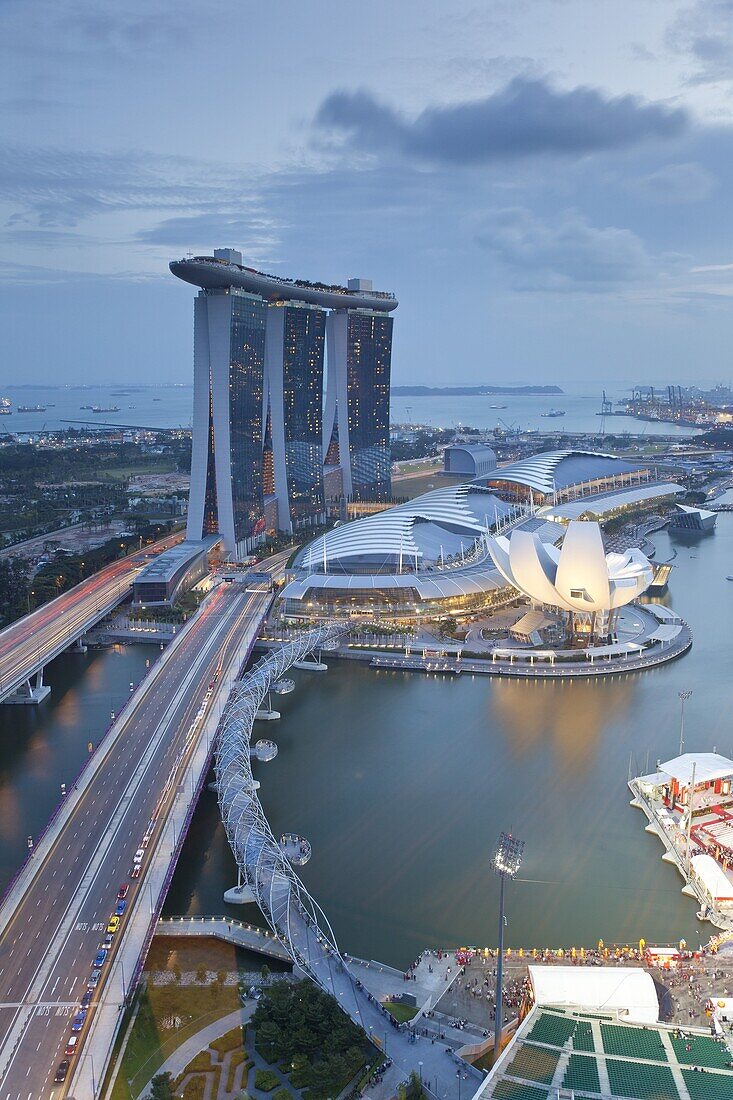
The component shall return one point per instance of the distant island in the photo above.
(472, 391)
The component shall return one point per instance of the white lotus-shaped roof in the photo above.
(579, 576)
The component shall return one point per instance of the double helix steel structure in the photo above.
(293, 915)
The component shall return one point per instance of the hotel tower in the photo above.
(291, 398)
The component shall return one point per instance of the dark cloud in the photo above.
(525, 118)
(252, 235)
(704, 34)
(566, 254)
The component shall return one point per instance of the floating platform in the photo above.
(311, 666)
(239, 895)
(296, 849)
(267, 715)
(263, 750)
(283, 687)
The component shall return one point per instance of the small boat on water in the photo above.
(554, 412)
(497, 406)
(729, 578)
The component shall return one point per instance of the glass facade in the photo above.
(246, 381)
(304, 340)
(211, 519)
(368, 364)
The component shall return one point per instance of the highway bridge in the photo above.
(131, 807)
(27, 646)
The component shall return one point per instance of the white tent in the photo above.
(708, 767)
(628, 991)
(716, 885)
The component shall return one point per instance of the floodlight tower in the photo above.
(684, 695)
(506, 862)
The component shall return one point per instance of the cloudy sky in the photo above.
(545, 184)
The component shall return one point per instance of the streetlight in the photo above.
(683, 696)
(506, 862)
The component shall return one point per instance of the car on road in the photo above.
(107, 942)
(135, 872)
(100, 957)
(122, 892)
(94, 979)
(114, 924)
(78, 1022)
(120, 908)
(61, 1072)
(72, 1045)
(87, 998)
(139, 856)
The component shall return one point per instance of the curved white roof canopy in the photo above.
(579, 576)
(551, 470)
(418, 528)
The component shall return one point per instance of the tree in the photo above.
(162, 1087)
(413, 1090)
(177, 972)
(448, 626)
(269, 1037)
(265, 972)
(201, 974)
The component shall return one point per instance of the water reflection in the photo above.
(571, 716)
(43, 746)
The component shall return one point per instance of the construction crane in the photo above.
(606, 410)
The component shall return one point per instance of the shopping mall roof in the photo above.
(601, 504)
(626, 991)
(415, 529)
(436, 585)
(553, 470)
(708, 766)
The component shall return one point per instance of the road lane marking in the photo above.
(174, 749)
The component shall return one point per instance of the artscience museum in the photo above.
(578, 579)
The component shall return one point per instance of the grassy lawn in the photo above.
(399, 1011)
(150, 1043)
(121, 473)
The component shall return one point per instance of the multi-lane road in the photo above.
(30, 643)
(48, 944)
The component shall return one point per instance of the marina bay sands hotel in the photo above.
(291, 399)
